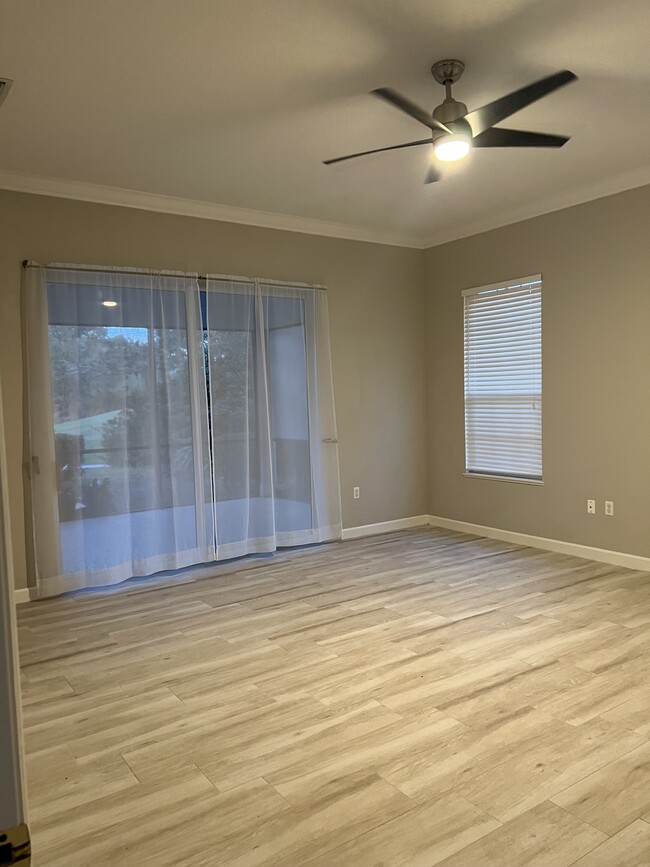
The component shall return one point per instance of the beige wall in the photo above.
(595, 262)
(376, 317)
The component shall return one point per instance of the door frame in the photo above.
(13, 800)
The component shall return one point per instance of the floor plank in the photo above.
(613, 796)
(543, 837)
(629, 848)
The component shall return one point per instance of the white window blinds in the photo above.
(503, 379)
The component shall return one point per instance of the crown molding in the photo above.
(605, 187)
(98, 193)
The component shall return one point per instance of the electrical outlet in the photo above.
(609, 507)
(356, 493)
(591, 507)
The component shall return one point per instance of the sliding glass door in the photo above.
(173, 425)
(288, 365)
(125, 404)
(275, 476)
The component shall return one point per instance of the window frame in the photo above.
(510, 477)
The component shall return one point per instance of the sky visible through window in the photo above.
(137, 335)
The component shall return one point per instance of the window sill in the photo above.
(538, 482)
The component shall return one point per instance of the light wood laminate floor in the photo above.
(418, 698)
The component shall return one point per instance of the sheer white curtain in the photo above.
(171, 424)
(118, 425)
(272, 423)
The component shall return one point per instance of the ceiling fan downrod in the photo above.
(446, 73)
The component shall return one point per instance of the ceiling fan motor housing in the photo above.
(452, 114)
(449, 111)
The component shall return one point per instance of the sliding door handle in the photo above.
(330, 440)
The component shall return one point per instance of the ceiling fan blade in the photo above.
(485, 117)
(410, 108)
(515, 138)
(408, 144)
(432, 175)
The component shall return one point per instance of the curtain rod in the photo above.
(144, 271)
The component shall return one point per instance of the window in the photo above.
(503, 380)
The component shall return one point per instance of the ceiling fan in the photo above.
(454, 129)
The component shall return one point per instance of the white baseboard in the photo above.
(601, 555)
(21, 595)
(385, 527)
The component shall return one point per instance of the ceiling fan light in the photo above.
(452, 147)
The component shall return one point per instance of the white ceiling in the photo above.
(237, 102)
